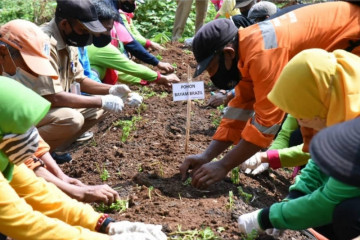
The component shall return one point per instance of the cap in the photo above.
(261, 10)
(82, 10)
(210, 38)
(242, 3)
(33, 44)
(336, 151)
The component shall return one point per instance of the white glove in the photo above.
(132, 236)
(248, 222)
(112, 103)
(151, 231)
(134, 99)
(253, 165)
(120, 90)
(276, 233)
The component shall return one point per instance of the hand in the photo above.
(256, 164)
(134, 99)
(120, 90)
(72, 181)
(166, 67)
(168, 79)
(217, 99)
(156, 46)
(248, 222)
(193, 162)
(151, 231)
(112, 103)
(276, 233)
(208, 174)
(99, 193)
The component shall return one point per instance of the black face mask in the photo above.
(226, 79)
(77, 40)
(127, 6)
(101, 41)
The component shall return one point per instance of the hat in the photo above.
(336, 150)
(242, 3)
(210, 38)
(33, 44)
(261, 10)
(82, 10)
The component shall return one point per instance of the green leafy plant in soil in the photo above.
(127, 126)
(203, 234)
(118, 206)
(215, 116)
(246, 196)
(104, 174)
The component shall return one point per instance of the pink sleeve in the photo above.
(119, 32)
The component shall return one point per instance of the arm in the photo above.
(64, 99)
(38, 216)
(282, 139)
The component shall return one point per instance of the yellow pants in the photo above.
(31, 208)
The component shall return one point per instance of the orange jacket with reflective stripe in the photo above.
(264, 50)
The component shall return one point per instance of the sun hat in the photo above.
(242, 3)
(209, 39)
(336, 150)
(33, 44)
(82, 10)
(261, 10)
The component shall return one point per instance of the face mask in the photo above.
(127, 6)
(226, 79)
(19, 147)
(23, 77)
(102, 40)
(77, 40)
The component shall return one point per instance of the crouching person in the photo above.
(31, 208)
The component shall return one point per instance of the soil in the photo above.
(152, 154)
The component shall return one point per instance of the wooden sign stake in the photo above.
(188, 116)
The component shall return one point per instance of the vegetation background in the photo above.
(153, 18)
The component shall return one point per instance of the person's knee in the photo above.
(73, 120)
(346, 219)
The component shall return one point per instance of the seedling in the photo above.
(187, 51)
(141, 108)
(93, 142)
(159, 57)
(204, 234)
(118, 206)
(150, 189)
(174, 65)
(140, 169)
(187, 181)
(230, 204)
(246, 196)
(235, 175)
(252, 236)
(104, 174)
(147, 92)
(127, 126)
(164, 95)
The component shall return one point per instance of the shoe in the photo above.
(85, 136)
(61, 158)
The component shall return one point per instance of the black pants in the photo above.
(346, 221)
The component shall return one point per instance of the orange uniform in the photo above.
(264, 50)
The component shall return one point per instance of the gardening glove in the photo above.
(253, 165)
(120, 90)
(134, 99)
(126, 227)
(132, 236)
(276, 233)
(248, 222)
(112, 103)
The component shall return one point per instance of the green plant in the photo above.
(252, 236)
(127, 126)
(235, 175)
(147, 92)
(203, 234)
(174, 65)
(161, 38)
(150, 189)
(159, 57)
(140, 169)
(246, 196)
(230, 203)
(104, 174)
(118, 206)
(164, 95)
(187, 181)
(187, 51)
(215, 116)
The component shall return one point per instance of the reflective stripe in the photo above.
(266, 130)
(269, 35)
(238, 114)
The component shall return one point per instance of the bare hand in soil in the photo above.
(168, 79)
(167, 67)
(208, 174)
(193, 162)
(100, 193)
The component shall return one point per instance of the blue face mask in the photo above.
(19, 147)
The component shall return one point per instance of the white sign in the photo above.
(192, 90)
